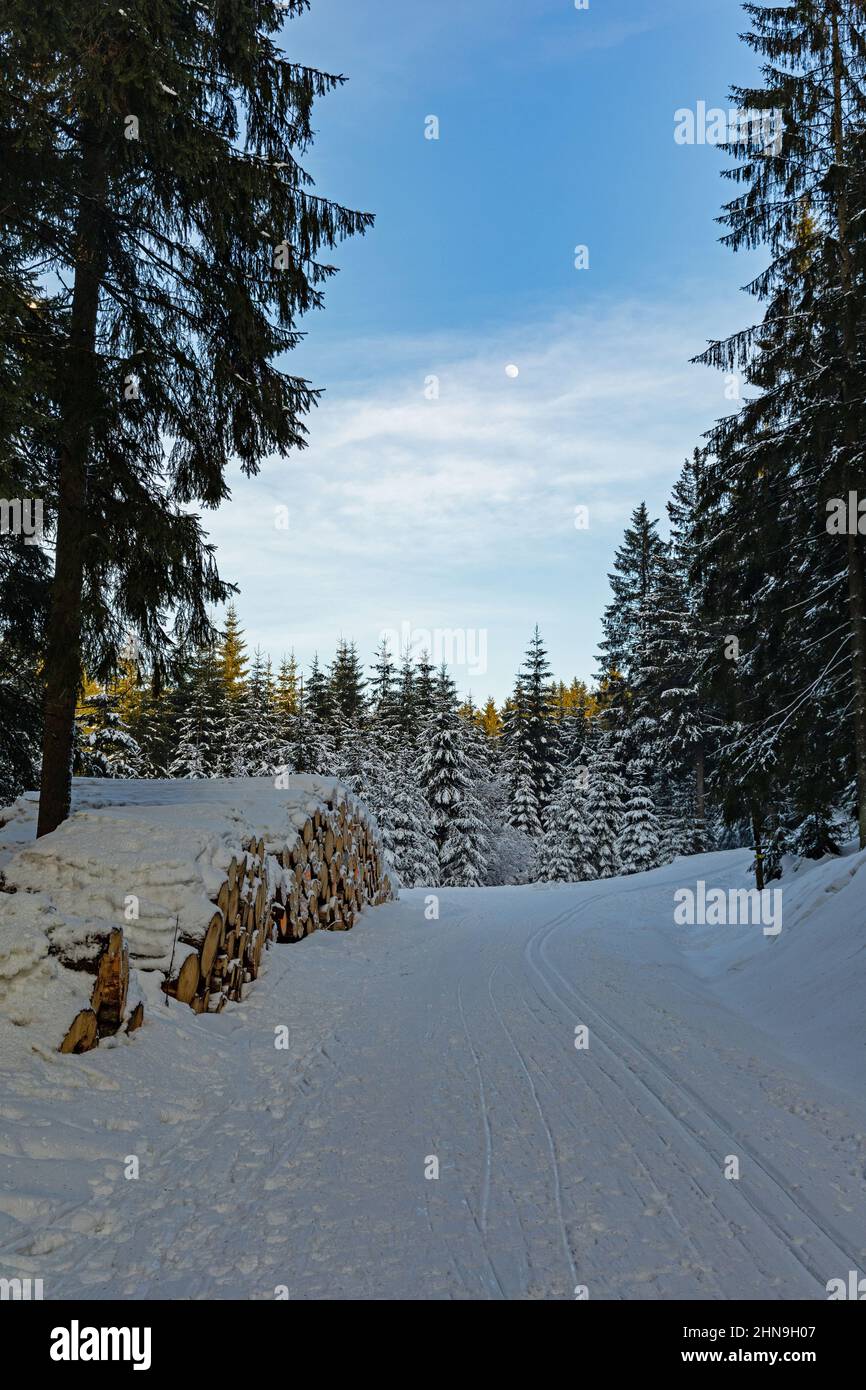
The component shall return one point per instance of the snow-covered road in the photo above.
(303, 1170)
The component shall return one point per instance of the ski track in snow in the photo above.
(409, 1038)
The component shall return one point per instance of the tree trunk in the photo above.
(63, 663)
(757, 832)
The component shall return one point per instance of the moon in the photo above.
(512, 371)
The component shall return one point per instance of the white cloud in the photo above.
(459, 512)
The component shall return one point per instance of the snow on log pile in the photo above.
(191, 879)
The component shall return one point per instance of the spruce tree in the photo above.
(538, 736)
(347, 686)
(383, 688)
(202, 734)
(424, 690)
(639, 843)
(454, 819)
(151, 172)
(106, 747)
(796, 448)
(576, 839)
(445, 690)
(634, 568)
(407, 709)
(519, 765)
(603, 807)
(319, 703)
(232, 656)
(555, 861)
(414, 850)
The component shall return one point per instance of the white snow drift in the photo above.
(201, 1158)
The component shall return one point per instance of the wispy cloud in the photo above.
(459, 511)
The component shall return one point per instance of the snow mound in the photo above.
(807, 985)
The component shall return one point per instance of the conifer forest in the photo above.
(433, 660)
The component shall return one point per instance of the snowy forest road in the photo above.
(303, 1173)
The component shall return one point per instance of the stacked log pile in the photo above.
(107, 1010)
(320, 879)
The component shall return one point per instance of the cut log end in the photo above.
(82, 1035)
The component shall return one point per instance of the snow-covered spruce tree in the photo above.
(603, 807)
(424, 691)
(524, 807)
(446, 783)
(347, 687)
(107, 745)
(413, 849)
(254, 741)
(202, 729)
(406, 705)
(317, 695)
(694, 634)
(789, 459)
(444, 690)
(364, 765)
(151, 171)
(639, 843)
(464, 854)
(669, 837)
(539, 735)
(305, 752)
(578, 840)
(555, 862)
(383, 688)
(624, 618)
(518, 765)
(151, 724)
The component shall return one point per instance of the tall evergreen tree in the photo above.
(425, 690)
(539, 735)
(151, 171)
(798, 445)
(232, 656)
(639, 844)
(383, 692)
(202, 734)
(414, 850)
(455, 822)
(603, 808)
(318, 700)
(347, 685)
(634, 567)
(518, 765)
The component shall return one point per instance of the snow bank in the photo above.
(806, 986)
(149, 856)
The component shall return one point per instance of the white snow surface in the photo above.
(263, 1170)
(146, 855)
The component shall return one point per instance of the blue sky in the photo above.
(456, 514)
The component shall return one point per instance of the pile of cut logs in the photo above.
(108, 1000)
(321, 879)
